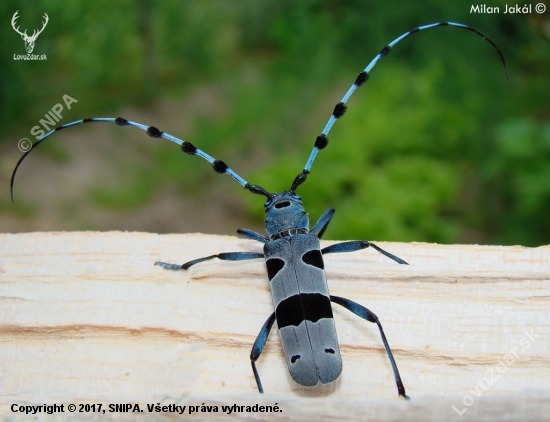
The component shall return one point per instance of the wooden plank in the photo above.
(87, 318)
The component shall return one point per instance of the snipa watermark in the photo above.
(51, 118)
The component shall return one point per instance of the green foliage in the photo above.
(518, 177)
(437, 146)
(136, 192)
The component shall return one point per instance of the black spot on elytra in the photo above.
(293, 310)
(295, 358)
(331, 351)
(274, 265)
(314, 258)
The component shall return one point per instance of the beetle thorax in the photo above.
(285, 215)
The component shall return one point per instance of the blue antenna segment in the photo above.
(364, 76)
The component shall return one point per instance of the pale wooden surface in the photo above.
(87, 318)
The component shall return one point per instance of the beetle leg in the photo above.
(225, 256)
(258, 348)
(321, 225)
(253, 235)
(355, 245)
(364, 313)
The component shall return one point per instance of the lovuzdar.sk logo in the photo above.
(29, 39)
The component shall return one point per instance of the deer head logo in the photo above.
(29, 41)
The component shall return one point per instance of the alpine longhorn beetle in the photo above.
(293, 255)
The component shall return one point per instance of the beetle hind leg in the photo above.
(364, 313)
(258, 348)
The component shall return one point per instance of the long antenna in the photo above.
(340, 108)
(187, 147)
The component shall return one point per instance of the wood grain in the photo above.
(87, 318)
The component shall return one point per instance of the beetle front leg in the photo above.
(253, 235)
(356, 245)
(321, 225)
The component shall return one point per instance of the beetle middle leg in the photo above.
(253, 235)
(225, 256)
(364, 313)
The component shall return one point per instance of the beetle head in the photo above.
(285, 211)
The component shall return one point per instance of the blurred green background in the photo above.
(437, 146)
